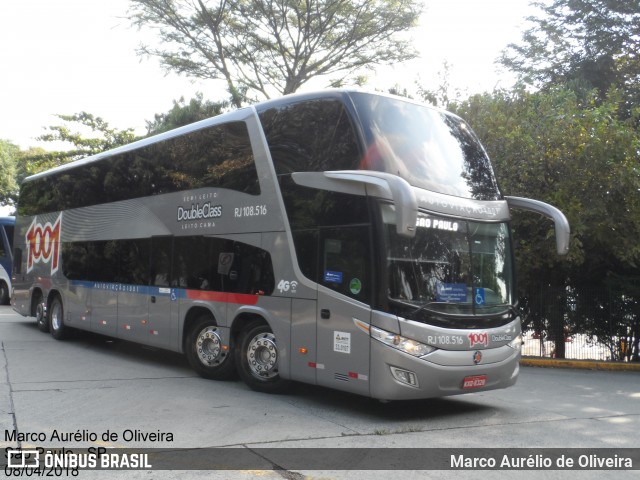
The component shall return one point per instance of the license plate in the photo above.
(475, 381)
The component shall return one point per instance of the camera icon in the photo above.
(23, 458)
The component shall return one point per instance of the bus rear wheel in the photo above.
(56, 319)
(206, 352)
(257, 359)
(42, 321)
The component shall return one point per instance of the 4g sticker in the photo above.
(285, 286)
(43, 242)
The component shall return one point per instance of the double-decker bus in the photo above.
(7, 225)
(346, 239)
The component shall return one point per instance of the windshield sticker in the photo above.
(332, 277)
(451, 292)
(436, 224)
(225, 260)
(478, 293)
(342, 342)
(355, 286)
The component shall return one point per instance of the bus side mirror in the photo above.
(563, 231)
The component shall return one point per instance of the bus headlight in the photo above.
(404, 344)
(516, 343)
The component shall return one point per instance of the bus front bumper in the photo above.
(396, 375)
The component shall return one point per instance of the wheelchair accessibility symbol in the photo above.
(479, 296)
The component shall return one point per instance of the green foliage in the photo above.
(576, 152)
(106, 138)
(90, 136)
(579, 157)
(183, 113)
(261, 48)
(8, 167)
(588, 44)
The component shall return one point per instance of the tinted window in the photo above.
(218, 156)
(312, 135)
(198, 263)
(133, 264)
(3, 252)
(429, 148)
(209, 263)
(345, 262)
(9, 231)
(318, 217)
(161, 255)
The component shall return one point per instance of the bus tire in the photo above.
(4, 294)
(257, 359)
(56, 319)
(205, 351)
(42, 321)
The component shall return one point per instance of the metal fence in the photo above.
(581, 323)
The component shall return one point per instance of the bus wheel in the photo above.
(56, 319)
(257, 359)
(206, 353)
(4, 294)
(41, 316)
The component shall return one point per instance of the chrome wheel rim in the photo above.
(262, 355)
(56, 317)
(209, 347)
(40, 313)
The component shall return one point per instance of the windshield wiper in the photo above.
(427, 306)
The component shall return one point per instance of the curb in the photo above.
(579, 364)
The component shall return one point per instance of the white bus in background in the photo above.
(346, 239)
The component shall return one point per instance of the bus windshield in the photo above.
(429, 148)
(451, 266)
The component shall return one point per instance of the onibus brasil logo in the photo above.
(43, 242)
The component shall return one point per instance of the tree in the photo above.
(585, 43)
(183, 114)
(263, 47)
(8, 167)
(91, 135)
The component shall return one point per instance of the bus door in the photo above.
(343, 346)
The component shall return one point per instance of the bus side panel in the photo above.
(303, 340)
(78, 306)
(104, 310)
(135, 323)
(343, 346)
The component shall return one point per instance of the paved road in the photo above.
(91, 385)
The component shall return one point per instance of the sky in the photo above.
(67, 56)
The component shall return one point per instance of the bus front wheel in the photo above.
(257, 359)
(206, 352)
(4, 294)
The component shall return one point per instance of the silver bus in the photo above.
(346, 239)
